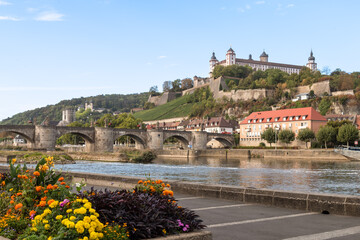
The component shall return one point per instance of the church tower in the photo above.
(213, 61)
(264, 57)
(311, 63)
(230, 57)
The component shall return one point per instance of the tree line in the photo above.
(331, 134)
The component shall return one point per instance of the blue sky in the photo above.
(52, 50)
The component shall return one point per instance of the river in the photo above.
(290, 175)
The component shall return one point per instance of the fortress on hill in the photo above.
(263, 64)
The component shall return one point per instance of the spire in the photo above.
(264, 54)
(311, 58)
(230, 49)
(213, 56)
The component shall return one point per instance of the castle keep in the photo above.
(263, 64)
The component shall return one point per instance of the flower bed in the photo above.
(40, 205)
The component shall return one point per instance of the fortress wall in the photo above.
(346, 92)
(319, 88)
(162, 99)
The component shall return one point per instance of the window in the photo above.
(297, 118)
(260, 127)
(303, 117)
(284, 118)
(254, 121)
(291, 118)
(276, 119)
(268, 120)
(284, 126)
(260, 120)
(296, 124)
(290, 125)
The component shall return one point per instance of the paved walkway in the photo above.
(230, 220)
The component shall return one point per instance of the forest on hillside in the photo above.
(110, 102)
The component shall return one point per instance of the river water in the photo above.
(290, 175)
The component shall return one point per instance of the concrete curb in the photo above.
(334, 204)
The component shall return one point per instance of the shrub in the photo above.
(149, 211)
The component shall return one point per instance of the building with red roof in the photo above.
(293, 119)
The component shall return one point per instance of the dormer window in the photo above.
(304, 117)
(254, 121)
(268, 120)
(284, 118)
(260, 120)
(276, 119)
(291, 118)
(297, 118)
(249, 121)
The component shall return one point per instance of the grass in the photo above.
(176, 108)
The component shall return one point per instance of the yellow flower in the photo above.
(47, 226)
(49, 238)
(72, 218)
(58, 217)
(45, 221)
(92, 217)
(34, 229)
(69, 210)
(10, 190)
(80, 230)
(13, 160)
(87, 219)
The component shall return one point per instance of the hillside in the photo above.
(113, 102)
(179, 107)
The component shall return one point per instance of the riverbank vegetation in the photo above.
(39, 204)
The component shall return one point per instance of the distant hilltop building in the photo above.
(263, 64)
(68, 116)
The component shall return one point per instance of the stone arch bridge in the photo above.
(102, 139)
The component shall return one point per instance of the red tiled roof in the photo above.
(311, 114)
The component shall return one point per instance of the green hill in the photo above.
(111, 102)
(176, 108)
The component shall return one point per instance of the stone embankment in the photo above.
(306, 154)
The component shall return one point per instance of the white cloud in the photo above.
(50, 16)
(241, 10)
(290, 5)
(9, 18)
(162, 57)
(248, 7)
(31, 10)
(4, 3)
(259, 2)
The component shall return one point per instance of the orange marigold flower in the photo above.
(38, 188)
(27, 171)
(43, 198)
(32, 212)
(3, 183)
(61, 179)
(19, 176)
(18, 206)
(42, 204)
(49, 187)
(55, 186)
(63, 183)
(12, 201)
(36, 173)
(50, 201)
(67, 186)
(140, 181)
(19, 194)
(167, 185)
(163, 184)
(46, 191)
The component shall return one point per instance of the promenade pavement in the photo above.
(231, 220)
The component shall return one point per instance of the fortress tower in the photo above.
(230, 57)
(264, 57)
(311, 63)
(213, 61)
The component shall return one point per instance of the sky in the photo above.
(51, 50)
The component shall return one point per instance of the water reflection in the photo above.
(289, 175)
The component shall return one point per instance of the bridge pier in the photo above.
(155, 139)
(45, 137)
(199, 140)
(104, 139)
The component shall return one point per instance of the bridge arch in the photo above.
(225, 141)
(183, 137)
(85, 133)
(140, 143)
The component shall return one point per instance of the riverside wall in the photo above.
(309, 154)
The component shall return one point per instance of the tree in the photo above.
(176, 85)
(167, 85)
(186, 83)
(347, 133)
(306, 135)
(324, 105)
(326, 134)
(154, 91)
(286, 136)
(269, 135)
